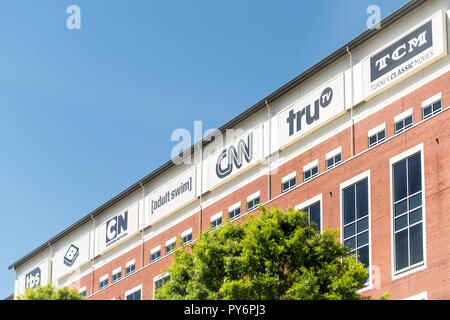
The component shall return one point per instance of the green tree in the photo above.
(276, 255)
(48, 292)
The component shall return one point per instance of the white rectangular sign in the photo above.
(311, 112)
(70, 257)
(236, 158)
(172, 196)
(33, 276)
(118, 227)
(413, 51)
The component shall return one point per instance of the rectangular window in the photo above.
(377, 138)
(216, 220)
(155, 254)
(313, 212)
(134, 294)
(311, 173)
(355, 220)
(130, 268)
(253, 203)
(103, 282)
(234, 214)
(186, 236)
(171, 245)
(334, 161)
(116, 275)
(82, 292)
(408, 212)
(431, 109)
(286, 186)
(160, 282)
(403, 124)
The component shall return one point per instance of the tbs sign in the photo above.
(116, 228)
(33, 278)
(71, 255)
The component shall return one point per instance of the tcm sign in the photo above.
(405, 56)
(33, 278)
(311, 112)
(71, 255)
(116, 228)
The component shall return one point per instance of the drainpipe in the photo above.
(142, 229)
(352, 138)
(50, 264)
(269, 174)
(93, 254)
(201, 187)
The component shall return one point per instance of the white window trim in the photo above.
(116, 271)
(130, 263)
(376, 130)
(185, 233)
(309, 202)
(253, 196)
(403, 115)
(432, 99)
(103, 278)
(289, 176)
(311, 165)
(216, 216)
(422, 265)
(234, 206)
(419, 296)
(158, 277)
(333, 153)
(82, 289)
(155, 249)
(171, 241)
(342, 186)
(139, 287)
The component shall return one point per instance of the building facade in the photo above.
(359, 141)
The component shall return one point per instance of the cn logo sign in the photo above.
(71, 255)
(294, 120)
(230, 156)
(33, 278)
(116, 228)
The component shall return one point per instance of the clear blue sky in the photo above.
(86, 113)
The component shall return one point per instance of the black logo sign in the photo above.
(295, 118)
(33, 278)
(236, 157)
(116, 228)
(401, 51)
(71, 255)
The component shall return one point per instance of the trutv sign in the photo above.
(311, 112)
(410, 53)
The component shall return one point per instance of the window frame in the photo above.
(423, 264)
(157, 278)
(215, 218)
(431, 102)
(362, 176)
(129, 264)
(310, 202)
(115, 272)
(233, 209)
(185, 234)
(252, 198)
(401, 118)
(154, 251)
(292, 177)
(172, 244)
(103, 282)
(133, 291)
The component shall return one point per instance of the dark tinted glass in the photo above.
(408, 121)
(351, 243)
(363, 239)
(349, 205)
(415, 201)
(414, 174)
(363, 254)
(401, 207)
(401, 249)
(415, 234)
(415, 216)
(401, 222)
(381, 135)
(363, 224)
(437, 106)
(349, 230)
(314, 213)
(338, 158)
(362, 205)
(372, 140)
(398, 126)
(400, 191)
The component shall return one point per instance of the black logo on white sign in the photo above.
(230, 156)
(171, 195)
(401, 51)
(71, 255)
(294, 119)
(33, 278)
(116, 228)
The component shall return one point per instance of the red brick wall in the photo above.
(435, 278)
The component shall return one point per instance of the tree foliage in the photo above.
(48, 292)
(277, 255)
